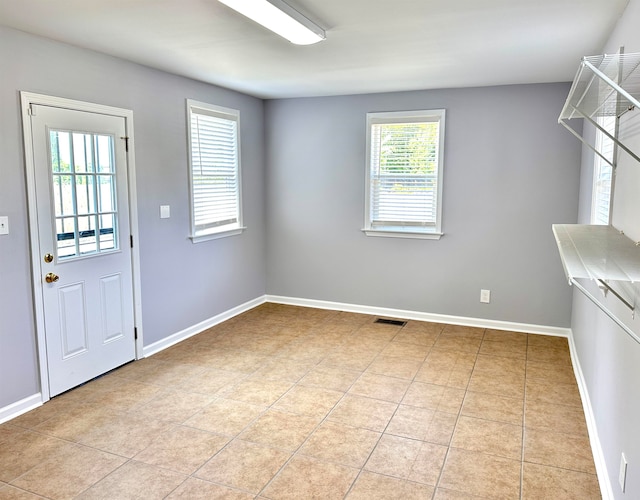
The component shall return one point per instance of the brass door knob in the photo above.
(51, 278)
(48, 258)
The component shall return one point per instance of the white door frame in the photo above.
(27, 99)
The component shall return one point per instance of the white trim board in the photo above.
(596, 447)
(422, 316)
(171, 340)
(19, 407)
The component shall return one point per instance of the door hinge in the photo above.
(31, 111)
(135, 333)
(131, 240)
(126, 143)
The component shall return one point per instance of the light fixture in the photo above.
(280, 18)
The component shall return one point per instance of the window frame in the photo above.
(405, 231)
(205, 234)
(599, 164)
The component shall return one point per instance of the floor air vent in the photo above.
(395, 322)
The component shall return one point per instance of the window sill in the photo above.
(214, 235)
(400, 233)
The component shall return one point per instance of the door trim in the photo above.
(28, 99)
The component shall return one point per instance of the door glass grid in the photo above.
(84, 193)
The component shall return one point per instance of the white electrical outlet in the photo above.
(165, 211)
(622, 478)
(485, 296)
(4, 224)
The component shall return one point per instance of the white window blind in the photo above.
(603, 173)
(214, 168)
(404, 173)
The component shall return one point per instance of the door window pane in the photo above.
(85, 206)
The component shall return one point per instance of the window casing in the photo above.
(404, 174)
(603, 173)
(214, 171)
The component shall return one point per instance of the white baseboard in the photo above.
(422, 316)
(596, 447)
(160, 345)
(19, 407)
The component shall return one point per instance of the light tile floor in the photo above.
(295, 403)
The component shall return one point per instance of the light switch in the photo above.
(165, 211)
(4, 224)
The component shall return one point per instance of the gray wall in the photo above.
(182, 283)
(609, 359)
(510, 171)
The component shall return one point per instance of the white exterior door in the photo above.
(80, 168)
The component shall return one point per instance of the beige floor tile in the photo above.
(171, 374)
(77, 422)
(9, 432)
(258, 391)
(126, 395)
(555, 418)
(540, 481)
(551, 341)
(341, 444)
(554, 393)
(363, 412)
(451, 360)
(500, 366)
(417, 337)
(370, 486)
(434, 397)
(125, 435)
(406, 351)
(559, 450)
(285, 369)
(239, 361)
(309, 478)
(392, 366)
(350, 358)
(487, 436)
(69, 473)
(312, 401)
(380, 387)
(212, 382)
(279, 429)
(550, 372)
(301, 361)
(244, 465)
(337, 379)
(506, 385)
(506, 336)
(8, 492)
(41, 414)
(174, 407)
(407, 459)
(443, 494)
(24, 450)
(422, 424)
(225, 416)
(182, 449)
(548, 355)
(492, 407)
(480, 474)
(514, 350)
(197, 489)
(135, 480)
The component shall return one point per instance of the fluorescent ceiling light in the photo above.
(280, 18)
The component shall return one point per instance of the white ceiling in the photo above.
(371, 45)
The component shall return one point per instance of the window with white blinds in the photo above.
(404, 174)
(214, 162)
(603, 172)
